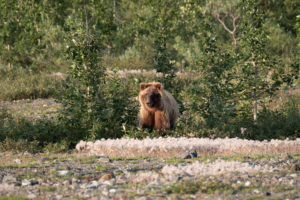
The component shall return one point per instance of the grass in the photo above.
(203, 186)
(20, 83)
(283, 188)
(100, 167)
(13, 198)
(47, 189)
(212, 158)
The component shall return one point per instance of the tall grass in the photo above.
(20, 83)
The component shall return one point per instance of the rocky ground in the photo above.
(80, 176)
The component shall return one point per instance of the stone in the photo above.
(63, 172)
(108, 176)
(17, 161)
(247, 183)
(26, 182)
(104, 159)
(113, 190)
(92, 185)
(31, 196)
(256, 191)
(33, 182)
(295, 167)
(8, 179)
(190, 155)
(4, 187)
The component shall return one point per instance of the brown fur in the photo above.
(159, 109)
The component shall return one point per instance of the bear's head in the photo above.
(151, 94)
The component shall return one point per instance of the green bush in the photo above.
(95, 104)
(281, 123)
(21, 134)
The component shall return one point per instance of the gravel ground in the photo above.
(80, 176)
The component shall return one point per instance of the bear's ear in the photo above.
(158, 86)
(143, 86)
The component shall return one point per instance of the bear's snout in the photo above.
(150, 104)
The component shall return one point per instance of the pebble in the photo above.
(31, 196)
(93, 185)
(104, 159)
(247, 183)
(190, 155)
(294, 175)
(256, 191)
(25, 182)
(8, 179)
(63, 172)
(17, 161)
(113, 190)
(108, 176)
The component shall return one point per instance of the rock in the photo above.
(107, 176)
(4, 187)
(25, 182)
(247, 183)
(63, 172)
(295, 167)
(66, 182)
(256, 191)
(104, 159)
(31, 196)
(113, 190)
(59, 196)
(17, 161)
(8, 179)
(192, 154)
(33, 182)
(26, 153)
(105, 191)
(74, 181)
(92, 185)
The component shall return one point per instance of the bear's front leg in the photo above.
(146, 119)
(161, 120)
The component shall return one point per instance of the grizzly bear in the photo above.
(159, 109)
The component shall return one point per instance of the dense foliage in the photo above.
(237, 55)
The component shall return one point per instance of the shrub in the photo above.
(95, 105)
(20, 134)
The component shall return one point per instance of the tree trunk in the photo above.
(254, 97)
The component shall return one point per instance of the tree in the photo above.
(95, 104)
(227, 13)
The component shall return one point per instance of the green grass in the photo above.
(283, 188)
(100, 167)
(24, 84)
(194, 186)
(47, 189)
(255, 198)
(13, 198)
(212, 158)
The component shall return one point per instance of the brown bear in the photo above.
(159, 109)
